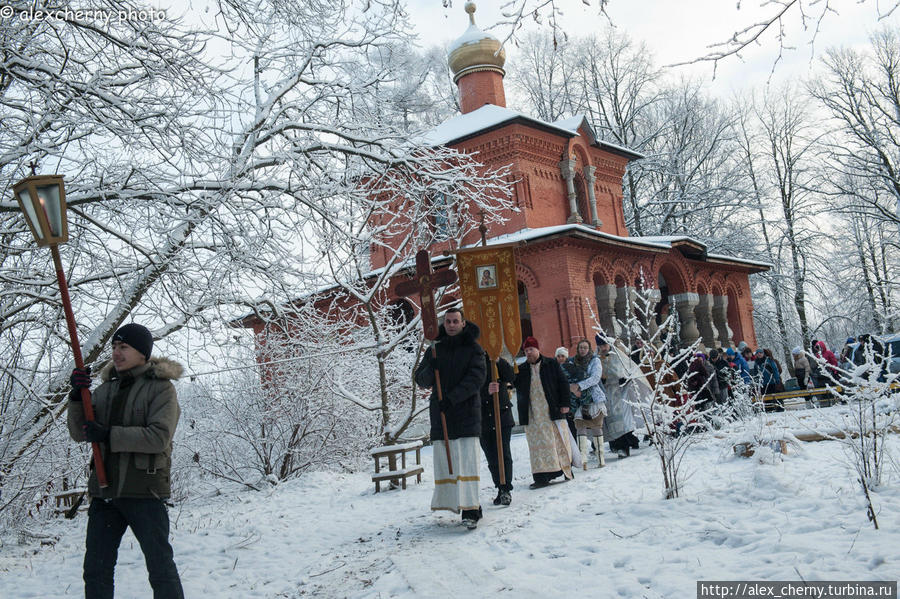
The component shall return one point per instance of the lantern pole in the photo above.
(44, 235)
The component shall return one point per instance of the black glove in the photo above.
(80, 379)
(95, 433)
(444, 405)
(622, 381)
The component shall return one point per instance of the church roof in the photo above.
(652, 243)
(489, 117)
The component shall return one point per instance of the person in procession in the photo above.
(588, 400)
(506, 377)
(542, 393)
(562, 357)
(136, 412)
(618, 425)
(723, 374)
(461, 365)
(801, 366)
(703, 383)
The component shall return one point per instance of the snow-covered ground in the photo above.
(608, 533)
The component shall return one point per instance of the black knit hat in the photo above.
(137, 336)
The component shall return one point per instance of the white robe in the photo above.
(623, 402)
(457, 491)
(549, 449)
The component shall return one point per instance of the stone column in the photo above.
(685, 303)
(705, 323)
(720, 318)
(606, 305)
(567, 168)
(592, 199)
(624, 301)
(654, 295)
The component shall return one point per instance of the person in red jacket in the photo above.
(820, 350)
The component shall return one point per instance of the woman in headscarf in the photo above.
(801, 366)
(588, 399)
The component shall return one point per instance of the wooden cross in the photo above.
(482, 228)
(424, 284)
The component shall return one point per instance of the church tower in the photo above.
(477, 59)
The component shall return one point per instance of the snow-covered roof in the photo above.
(670, 239)
(715, 257)
(657, 242)
(654, 242)
(531, 234)
(481, 119)
(572, 123)
(490, 116)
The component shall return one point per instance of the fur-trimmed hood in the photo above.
(157, 368)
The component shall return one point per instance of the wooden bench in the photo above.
(821, 397)
(393, 473)
(65, 501)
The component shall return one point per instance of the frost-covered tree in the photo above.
(284, 417)
(867, 416)
(859, 89)
(197, 163)
(672, 415)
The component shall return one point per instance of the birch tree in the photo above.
(861, 92)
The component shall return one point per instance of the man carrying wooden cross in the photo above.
(461, 372)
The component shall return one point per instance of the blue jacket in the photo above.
(768, 370)
(744, 368)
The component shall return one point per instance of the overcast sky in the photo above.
(678, 31)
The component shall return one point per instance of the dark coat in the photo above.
(142, 446)
(556, 389)
(460, 361)
(506, 376)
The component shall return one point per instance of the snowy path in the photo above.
(329, 535)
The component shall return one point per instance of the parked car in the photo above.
(891, 344)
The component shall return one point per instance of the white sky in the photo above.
(677, 31)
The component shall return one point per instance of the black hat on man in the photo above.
(137, 336)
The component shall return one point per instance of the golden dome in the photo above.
(475, 50)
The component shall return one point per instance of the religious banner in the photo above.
(490, 296)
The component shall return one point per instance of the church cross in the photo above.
(424, 284)
(482, 228)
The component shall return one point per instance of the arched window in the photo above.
(581, 199)
(440, 217)
(524, 311)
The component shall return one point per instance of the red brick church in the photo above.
(576, 261)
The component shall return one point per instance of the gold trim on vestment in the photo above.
(450, 509)
(447, 481)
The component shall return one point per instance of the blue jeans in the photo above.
(149, 521)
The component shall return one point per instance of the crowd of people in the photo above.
(559, 399)
(572, 405)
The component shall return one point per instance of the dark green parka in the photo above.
(138, 456)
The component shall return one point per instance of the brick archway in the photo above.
(600, 271)
(527, 276)
(678, 280)
(734, 313)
